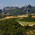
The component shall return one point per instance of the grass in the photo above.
(27, 21)
(12, 27)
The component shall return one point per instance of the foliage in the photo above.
(30, 16)
(12, 27)
(28, 19)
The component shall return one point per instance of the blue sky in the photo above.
(19, 3)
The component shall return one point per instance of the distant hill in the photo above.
(0, 10)
(18, 11)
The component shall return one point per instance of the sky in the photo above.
(19, 3)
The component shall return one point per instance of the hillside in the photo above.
(12, 27)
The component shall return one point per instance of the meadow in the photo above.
(26, 21)
(12, 27)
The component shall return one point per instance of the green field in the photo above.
(27, 21)
(12, 27)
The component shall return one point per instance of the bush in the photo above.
(30, 16)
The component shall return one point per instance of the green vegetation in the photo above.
(28, 19)
(0, 16)
(12, 27)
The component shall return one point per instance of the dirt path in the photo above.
(21, 23)
(7, 18)
(26, 23)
